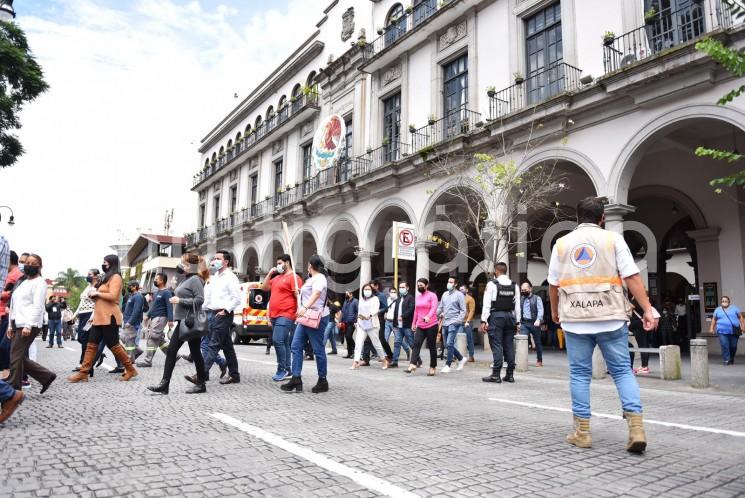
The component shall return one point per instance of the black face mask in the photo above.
(30, 271)
(89, 279)
(105, 267)
(421, 290)
(526, 294)
(180, 269)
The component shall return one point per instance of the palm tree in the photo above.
(70, 279)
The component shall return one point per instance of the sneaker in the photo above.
(279, 376)
(644, 371)
(461, 364)
(539, 364)
(445, 369)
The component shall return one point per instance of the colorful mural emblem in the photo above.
(584, 255)
(328, 142)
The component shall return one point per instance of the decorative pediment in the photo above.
(453, 34)
(390, 74)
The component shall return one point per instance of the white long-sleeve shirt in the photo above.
(28, 304)
(224, 292)
(490, 294)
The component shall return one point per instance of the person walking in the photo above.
(333, 326)
(54, 312)
(349, 312)
(312, 297)
(531, 309)
(377, 289)
(403, 315)
(10, 399)
(14, 276)
(27, 309)
(107, 318)
(158, 316)
(500, 314)
(84, 313)
(368, 325)
(133, 312)
(282, 309)
(468, 322)
(636, 326)
(189, 295)
(424, 325)
(452, 311)
(728, 323)
(586, 275)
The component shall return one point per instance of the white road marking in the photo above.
(70, 349)
(362, 478)
(257, 361)
(618, 417)
(108, 367)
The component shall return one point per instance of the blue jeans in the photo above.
(451, 332)
(729, 346)
(330, 334)
(469, 338)
(4, 344)
(55, 327)
(220, 339)
(204, 346)
(529, 329)
(615, 349)
(281, 330)
(404, 337)
(6, 391)
(302, 334)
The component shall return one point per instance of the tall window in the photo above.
(395, 24)
(254, 186)
(202, 215)
(344, 164)
(676, 21)
(216, 207)
(545, 74)
(456, 94)
(423, 9)
(278, 176)
(391, 127)
(233, 198)
(307, 161)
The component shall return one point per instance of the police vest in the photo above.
(505, 300)
(590, 288)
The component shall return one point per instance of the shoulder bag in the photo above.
(735, 328)
(312, 318)
(194, 326)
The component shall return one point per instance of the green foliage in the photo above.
(21, 80)
(74, 282)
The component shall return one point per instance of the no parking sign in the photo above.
(404, 237)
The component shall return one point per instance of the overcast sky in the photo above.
(134, 86)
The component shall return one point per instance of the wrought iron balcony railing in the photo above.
(457, 122)
(414, 16)
(664, 30)
(557, 79)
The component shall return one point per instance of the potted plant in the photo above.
(380, 30)
(306, 90)
(519, 78)
(386, 141)
(362, 43)
(432, 119)
(267, 197)
(608, 38)
(650, 16)
(491, 91)
(409, 9)
(412, 128)
(293, 99)
(369, 149)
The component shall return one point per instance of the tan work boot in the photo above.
(637, 438)
(581, 437)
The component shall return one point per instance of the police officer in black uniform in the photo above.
(500, 317)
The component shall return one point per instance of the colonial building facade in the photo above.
(614, 93)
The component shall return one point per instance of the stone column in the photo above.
(709, 266)
(365, 265)
(422, 259)
(614, 214)
(699, 363)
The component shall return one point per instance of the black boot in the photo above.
(197, 389)
(322, 386)
(295, 384)
(161, 388)
(494, 377)
(100, 360)
(508, 377)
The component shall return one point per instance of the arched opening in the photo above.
(238, 137)
(296, 100)
(283, 110)
(303, 247)
(269, 112)
(342, 260)
(222, 151)
(271, 253)
(214, 157)
(251, 268)
(311, 81)
(395, 24)
(380, 241)
(257, 123)
(206, 163)
(698, 234)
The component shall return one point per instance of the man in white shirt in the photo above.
(224, 299)
(500, 316)
(588, 269)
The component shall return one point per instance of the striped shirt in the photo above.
(4, 258)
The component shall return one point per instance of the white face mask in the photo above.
(450, 286)
(393, 296)
(367, 293)
(280, 267)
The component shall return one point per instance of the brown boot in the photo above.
(121, 355)
(637, 438)
(10, 406)
(90, 354)
(581, 437)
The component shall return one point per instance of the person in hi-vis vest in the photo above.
(588, 269)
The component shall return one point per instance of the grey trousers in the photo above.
(20, 363)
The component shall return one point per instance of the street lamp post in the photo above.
(11, 220)
(7, 13)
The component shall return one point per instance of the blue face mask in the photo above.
(216, 264)
(20, 267)
(402, 291)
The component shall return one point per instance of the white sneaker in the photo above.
(445, 369)
(461, 364)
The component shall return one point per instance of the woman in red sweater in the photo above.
(424, 326)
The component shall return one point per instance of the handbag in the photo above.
(311, 319)
(735, 328)
(195, 325)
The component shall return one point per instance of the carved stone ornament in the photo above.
(307, 128)
(452, 35)
(277, 147)
(347, 24)
(391, 74)
(234, 175)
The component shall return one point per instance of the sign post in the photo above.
(404, 236)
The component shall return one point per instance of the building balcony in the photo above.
(536, 89)
(456, 123)
(303, 108)
(411, 29)
(665, 30)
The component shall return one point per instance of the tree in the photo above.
(71, 280)
(21, 80)
(734, 62)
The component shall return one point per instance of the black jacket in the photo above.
(405, 306)
(54, 311)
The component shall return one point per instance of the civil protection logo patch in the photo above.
(584, 255)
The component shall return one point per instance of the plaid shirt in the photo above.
(4, 258)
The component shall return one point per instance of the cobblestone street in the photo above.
(376, 432)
